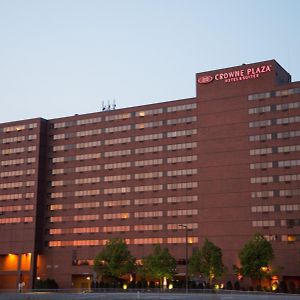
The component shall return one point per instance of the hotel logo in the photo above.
(236, 75)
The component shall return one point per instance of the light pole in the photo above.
(186, 257)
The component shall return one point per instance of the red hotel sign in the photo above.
(237, 75)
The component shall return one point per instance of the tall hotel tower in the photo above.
(226, 164)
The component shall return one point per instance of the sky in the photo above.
(64, 57)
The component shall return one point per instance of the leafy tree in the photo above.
(159, 264)
(254, 257)
(207, 261)
(115, 260)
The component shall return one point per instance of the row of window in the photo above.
(21, 138)
(275, 164)
(121, 190)
(124, 215)
(278, 107)
(16, 208)
(16, 220)
(123, 165)
(281, 121)
(77, 134)
(124, 152)
(18, 184)
(17, 173)
(273, 150)
(124, 116)
(19, 161)
(275, 193)
(115, 203)
(126, 140)
(124, 128)
(275, 178)
(78, 122)
(137, 241)
(267, 95)
(153, 124)
(18, 150)
(18, 127)
(124, 228)
(278, 135)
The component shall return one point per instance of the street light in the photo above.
(186, 257)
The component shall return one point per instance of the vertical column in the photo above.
(19, 276)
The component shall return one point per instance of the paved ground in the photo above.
(146, 296)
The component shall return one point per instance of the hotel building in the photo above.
(225, 163)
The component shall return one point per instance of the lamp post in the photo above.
(186, 257)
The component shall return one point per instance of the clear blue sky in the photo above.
(61, 57)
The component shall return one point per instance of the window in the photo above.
(88, 145)
(261, 151)
(148, 188)
(149, 162)
(120, 165)
(149, 125)
(264, 179)
(184, 172)
(86, 193)
(259, 110)
(150, 227)
(148, 150)
(182, 185)
(262, 123)
(116, 216)
(263, 223)
(87, 168)
(118, 128)
(117, 153)
(262, 194)
(287, 92)
(113, 203)
(88, 121)
(288, 134)
(123, 116)
(289, 148)
(179, 199)
(149, 137)
(148, 201)
(287, 178)
(263, 208)
(259, 96)
(148, 214)
(118, 141)
(182, 212)
(182, 120)
(262, 165)
(148, 175)
(117, 178)
(181, 146)
(149, 112)
(181, 159)
(182, 107)
(145, 241)
(116, 228)
(120, 190)
(88, 132)
(260, 137)
(188, 132)
(88, 156)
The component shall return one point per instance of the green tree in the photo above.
(115, 260)
(159, 264)
(255, 258)
(207, 261)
